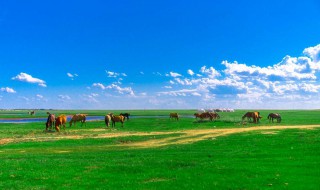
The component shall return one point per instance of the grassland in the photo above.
(182, 154)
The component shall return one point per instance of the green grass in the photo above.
(289, 159)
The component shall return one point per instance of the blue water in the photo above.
(31, 120)
(89, 118)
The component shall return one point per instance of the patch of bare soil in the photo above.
(181, 137)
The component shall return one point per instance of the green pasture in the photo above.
(282, 159)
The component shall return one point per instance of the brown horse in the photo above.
(78, 117)
(107, 119)
(174, 115)
(254, 115)
(50, 121)
(206, 115)
(117, 118)
(273, 116)
(61, 121)
(215, 115)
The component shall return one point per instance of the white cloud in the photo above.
(72, 76)
(64, 98)
(8, 90)
(173, 74)
(157, 73)
(239, 83)
(24, 77)
(114, 74)
(94, 95)
(126, 90)
(190, 72)
(183, 92)
(288, 69)
(91, 98)
(99, 85)
(115, 87)
(39, 96)
(313, 53)
(310, 87)
(183, 81)
(210, 72)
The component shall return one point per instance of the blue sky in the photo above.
(160, 54)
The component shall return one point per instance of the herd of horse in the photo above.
(255, 116)
(61, 120)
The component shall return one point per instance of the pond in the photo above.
(31, 120)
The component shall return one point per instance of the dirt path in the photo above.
(181, 137)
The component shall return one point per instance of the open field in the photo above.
(159, 153)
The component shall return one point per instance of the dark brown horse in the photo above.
(273, 116)
(174, 116)
(125, 115)
(254, 115)
(207, 115)
(50, 121)
(32, 112)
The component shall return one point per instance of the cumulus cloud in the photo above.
(7, 90)
(292, 77)
(313, 53)
(289, 68)
(210, 72)
(24, 77)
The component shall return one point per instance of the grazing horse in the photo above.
(206, 115)
(107, 119)
(32, 112)
(215, 115)
(197, 115)
(254, 115)
(61, 121)
(78, 117)
(117, 118)
(50, 121)
(272, 116)
(125, 115)
(174, 115)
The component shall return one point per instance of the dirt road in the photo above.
(180, 137)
